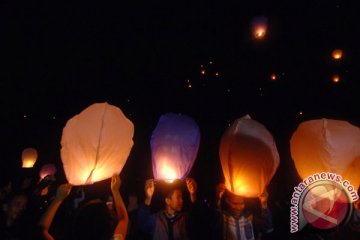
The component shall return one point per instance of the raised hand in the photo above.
(192, 188)
(115, 183)
(149, 190)
(191, 185)
(63, 191)
(264, 199)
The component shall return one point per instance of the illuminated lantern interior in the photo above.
(259, 27)
(96, 144)
(249, 157)
(337, 54)
(174, 146)
(47, 169)
(29, 157)
(336, 78)
(273, 77)
(327, 145)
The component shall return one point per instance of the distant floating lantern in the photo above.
(249, 157)
(327, 145)
(29, 157)
(259, 27)
(337, 54)
(273, 77)
(95, 144)
(174, 146)
(336, 78)
(47, 169)
(202, 72)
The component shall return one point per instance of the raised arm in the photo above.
(192, 188)
(149, 191)
(121, 227)
(220, 189)
(45, 222)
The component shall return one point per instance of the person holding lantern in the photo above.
(169, 223)
(235, 219)
(94, 219)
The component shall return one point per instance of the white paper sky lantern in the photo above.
(327, 145)
(174, 145)
(29, 157)
(249, 157)
(96, 144)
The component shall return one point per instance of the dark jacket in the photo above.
(161, 227)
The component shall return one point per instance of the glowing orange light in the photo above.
(259, 27)
(203, 72)
(248, 157)
(167, 172)
(239, 188)
(217, 74)
(336, 78)
(273, 77)
(189, 86)
(260, 32)
(337, 54)
(29, 157)
(309, 149)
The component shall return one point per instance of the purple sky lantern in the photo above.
(174, 145)
(47, 169)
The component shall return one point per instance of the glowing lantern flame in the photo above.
(327, 145)
(273, 77)
(174, 145)
(29, 157)
(259, 27)
(337, 54)
(248, 156)
(167, 172)
(336, 78)
(47, 169)
(96, 144)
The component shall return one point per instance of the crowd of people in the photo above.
(170, 210)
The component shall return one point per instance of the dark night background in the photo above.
(59, 58)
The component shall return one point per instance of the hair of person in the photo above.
(93, 221)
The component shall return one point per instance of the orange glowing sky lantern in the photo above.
(29, 157)
(337, 54)
(249, 157)
(174, 145)
(273, 77)
(95, 144)
(327, 145)
(336, 78)
(259, 27)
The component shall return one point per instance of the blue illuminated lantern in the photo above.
(174, 145)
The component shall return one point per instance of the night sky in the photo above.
(198, 58)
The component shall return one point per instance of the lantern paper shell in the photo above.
(47, 169)
(337, 54)
(174, 146)
(96, 144)
(327, 145)
(259, 27)
(249, 157)
(29, 157)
